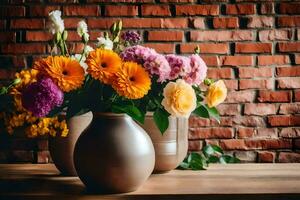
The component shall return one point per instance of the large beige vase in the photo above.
(114, 154)
(62, 148)
(171, 147)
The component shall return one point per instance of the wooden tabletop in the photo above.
(235, 181)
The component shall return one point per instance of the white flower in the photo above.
(57, 24)
(105, 43)
(88, 49)
(82, 28)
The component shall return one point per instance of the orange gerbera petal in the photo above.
(132, 81)
(66, 72)
(103, 64)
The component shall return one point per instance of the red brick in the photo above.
(225, 22)
(195, 122)
(161, 47)
(290, 132)
(197, 9)
(249, 72)
(267, 8)
(75, 10)
(297, 96)
(290, 108)
(260, 109)
(288, 71)
(240, 96)
(297, 143)
(266, 133)
(156, 10)
(233, 144)
(298, 34)
(268, 144)
(22, 156)
(73, 36)
(173, 23)
(289, 21)
(273, 60)
(19, 62)
(228, 109)
(197, 22)
(246, 156)
(211, 60)
(289, 47)
(289, 157)
(38, 36)
(292, 82)
(274, 96)
(42, 145)
(271, 35)
(23, 48)
(256, 84)
(6, 74)
(231, 84)
(215, 36)
(111, 10)
(253, 47)
(236, 60)
(7, 36)
(206, 133)
(165, 35)
(120, 1)
(12, 11)
(216, 48)
(220, 73)
(284, 120)
(2, 24)
(266, 157)
(177, 1)
(240, 9)
(43, 157)
(245, 132)
(195, 145)
(27, 24)
(297, 59)
(259, 22)
(289, 8)
(251, 121)
(42, 11)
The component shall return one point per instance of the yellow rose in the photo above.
(179, 98)
(216, 93)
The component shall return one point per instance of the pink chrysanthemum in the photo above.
(198, 71)
(180, 66)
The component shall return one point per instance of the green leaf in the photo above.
(224, 159)
(197, 161)
(130, 110)
(202, 111)
(213, 159)
(212, 150)
(213, 112)
(161, 119)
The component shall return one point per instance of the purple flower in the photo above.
(131, 37)
(137, 54)
(180, 65)
(198, 70)
(41, 97)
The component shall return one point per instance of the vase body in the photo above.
(171, 147)
(62, 148)
(114, 154)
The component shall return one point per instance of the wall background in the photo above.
(251, 44)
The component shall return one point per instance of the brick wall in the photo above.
(251, 44)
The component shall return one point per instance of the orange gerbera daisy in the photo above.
(103, 64)
(132, 81)
(65, 72)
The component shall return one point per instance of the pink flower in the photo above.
(180, 66)
(157, 64)
(198, 71)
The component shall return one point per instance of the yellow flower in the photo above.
(132, 81)
(65, 72)
(179, 98)
(216, 93)
(103, 64)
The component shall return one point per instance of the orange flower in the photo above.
(66, 72)
(132, 81)
(103, 64)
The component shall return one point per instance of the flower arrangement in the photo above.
(119, 76)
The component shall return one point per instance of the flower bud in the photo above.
(58, 37)
(208, 81)
(16, 81)
(86, 37)
(65, 35)
(197, 50)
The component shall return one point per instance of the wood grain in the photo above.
(237, 181)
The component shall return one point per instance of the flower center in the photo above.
(103, 65)
(65, 72)
(132, 78)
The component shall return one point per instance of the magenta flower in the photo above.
(131, 36)
(41, 97)
(137, 54)
(180, 66)
(198, 70)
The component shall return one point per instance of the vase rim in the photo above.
(110, 114)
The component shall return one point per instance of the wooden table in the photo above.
(236, 181)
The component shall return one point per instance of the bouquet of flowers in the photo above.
(118, 76)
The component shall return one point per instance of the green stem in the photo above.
(83, 51)
(66, 48)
